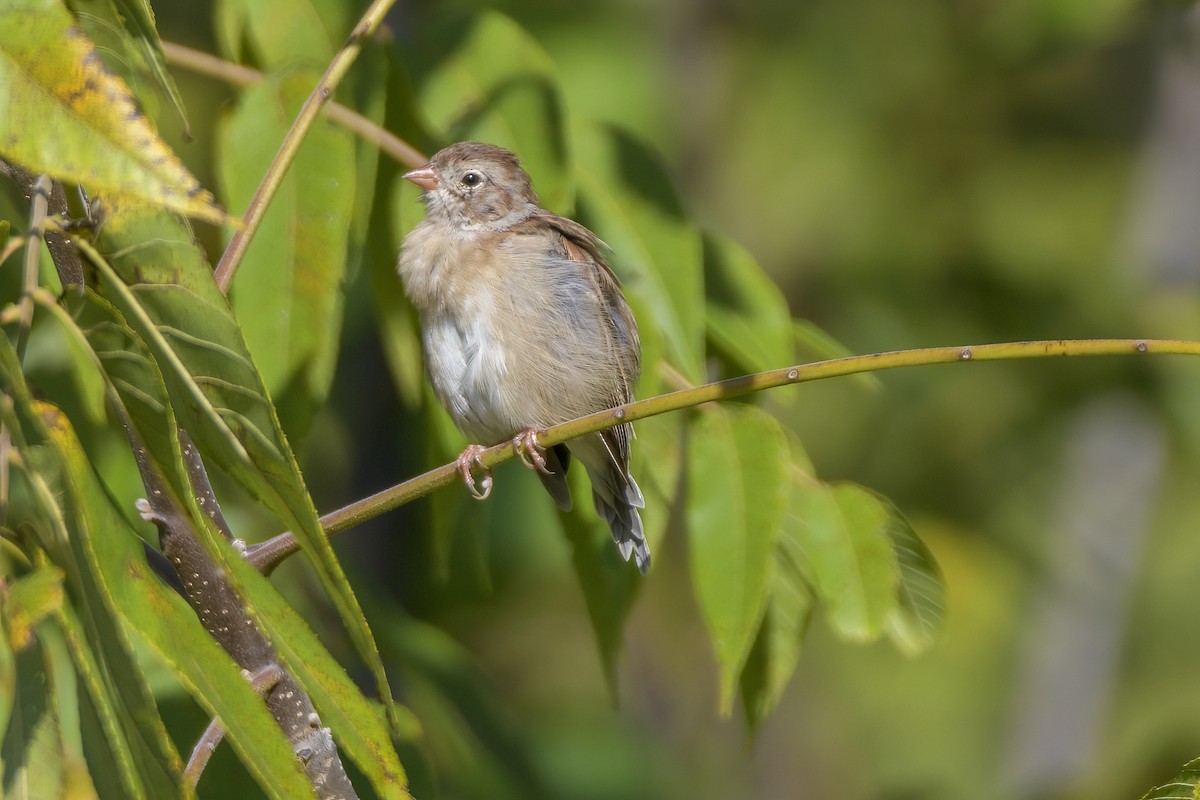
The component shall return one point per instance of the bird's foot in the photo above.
(466, 463)
(532, 454)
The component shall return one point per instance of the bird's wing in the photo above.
(584, 247)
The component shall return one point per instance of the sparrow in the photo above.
(523, 326)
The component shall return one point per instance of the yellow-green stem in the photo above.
(272, 552)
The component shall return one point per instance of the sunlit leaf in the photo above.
(920, 593)
(790, 606)
(359, 731)
(166, 624)
(113, 573)
(161, 285)
(53, 79)
(737, 478)
(126, 29)
(843, 530)
(287, 294)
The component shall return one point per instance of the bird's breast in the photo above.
(469, 364)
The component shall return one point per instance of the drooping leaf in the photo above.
(32, 753)
(745, 312)
(843, 530)
(737, 478)
(920, 593)
(161, 285)
(358, 730)
(485, 78)
(139, 751)
(287, 295)
(790, 606)
(112, 573)
(64, 688)
(162, 621)
(126, 28)
(53, 79)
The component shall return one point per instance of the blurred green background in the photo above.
(911, 173)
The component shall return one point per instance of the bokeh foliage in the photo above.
(908, 174)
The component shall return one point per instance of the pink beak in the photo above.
(424, 177)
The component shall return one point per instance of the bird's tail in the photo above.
(621, 514)
(625, 523)
(616, 495)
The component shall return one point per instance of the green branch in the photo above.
(270, 553)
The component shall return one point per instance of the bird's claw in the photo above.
(532, 454)
(466, 463)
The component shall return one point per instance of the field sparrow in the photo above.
(523, 326)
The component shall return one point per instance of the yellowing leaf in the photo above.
(51, 78)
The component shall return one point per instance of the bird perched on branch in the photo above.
(524, 326)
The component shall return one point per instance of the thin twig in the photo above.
(267, 555)
(231, 259)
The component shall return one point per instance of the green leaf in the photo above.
(843, 530)
(126, 29)
(486, 78)
(745, 312)
(54, 80)
(30, 599)
(626, 197)
(287, 295)
(8, 674)
(125, 588)
(162, 621)
(134, 736)
(32, 752)
(282, 33)
(737, 479)
(916, 620)
(359, 731)
(1185, 786)
(61, 679)
(161, 285)
(790, 606)
(358, 725)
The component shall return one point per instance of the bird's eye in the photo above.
(472, 179)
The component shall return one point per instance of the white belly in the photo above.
(469, 370)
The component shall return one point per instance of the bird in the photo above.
(523, 326)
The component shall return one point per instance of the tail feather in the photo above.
(624, 520)
(616, 496)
